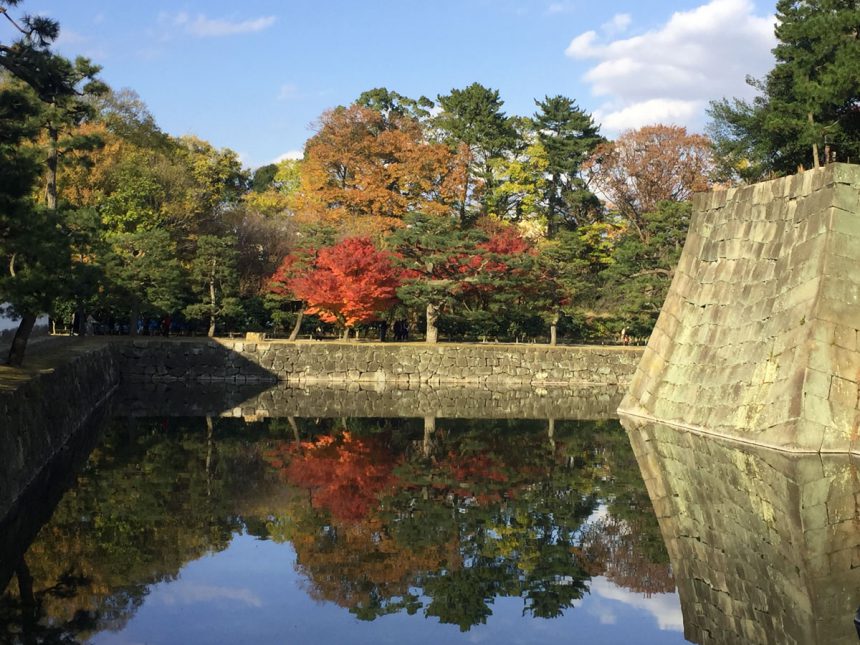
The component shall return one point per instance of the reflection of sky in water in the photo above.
(251, 593)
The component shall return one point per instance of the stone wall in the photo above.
(757, 338)
(206, 361)
(368, 400)
(38, 416)
(764, 545)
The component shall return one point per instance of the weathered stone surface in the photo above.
(38, 417)
(757, 338)
(764, 545)
(302, 363)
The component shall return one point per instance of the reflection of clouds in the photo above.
(599, 513)
(188, 593)
(665, 607)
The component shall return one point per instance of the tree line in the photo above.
(449, 214)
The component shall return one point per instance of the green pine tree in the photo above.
(807, 104)
(569, 136)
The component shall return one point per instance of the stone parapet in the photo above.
(757, 339)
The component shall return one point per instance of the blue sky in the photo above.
(253, 76)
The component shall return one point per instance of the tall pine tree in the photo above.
(808, 103)
(569, 136)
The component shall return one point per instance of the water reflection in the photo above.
(765, 546)
(427, 517)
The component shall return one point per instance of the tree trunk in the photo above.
(19, 342)
(345, 333)
(132, 318)
(465, 197)
(815, 161)
(295, 333)
(210, 428)
(211, 333)
(29, 606)
(295, 427)
(553, 329)
(51, 176)
(432, 316)
(429, 429)
(550, 215)
(550, 430)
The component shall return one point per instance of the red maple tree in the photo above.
(347, 283)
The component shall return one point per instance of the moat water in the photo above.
(427, 530)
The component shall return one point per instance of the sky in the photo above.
(255, 76)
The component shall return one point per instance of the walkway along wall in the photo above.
(757, 339)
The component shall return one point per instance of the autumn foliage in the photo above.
(361, 165)
(345, 474)
(647, 166)
(348, 283)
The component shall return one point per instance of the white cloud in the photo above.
(187, 593)
(618, 24)
(203, 27)
(670, 73)
(69, 37)
(559, 7)
(289, 154)
(664, 607)
(648, 112)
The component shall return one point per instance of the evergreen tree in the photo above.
(807, 103)
(34, 242)
(214, 280)
(568, 135)
(473, 118)
(33, 251)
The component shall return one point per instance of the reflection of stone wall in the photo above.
(757, 338)
(342, 400)
(764, 545)
(154, 360)
(38, 417)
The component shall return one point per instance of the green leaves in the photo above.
(807, 101)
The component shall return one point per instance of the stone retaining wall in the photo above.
(160, 361)
(38, 417)
(758, 337)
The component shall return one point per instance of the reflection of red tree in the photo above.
(480, 476)
(344, 474)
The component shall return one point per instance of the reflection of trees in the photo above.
(469, 512)
(385, 515)
(625, 544)
(153, 496)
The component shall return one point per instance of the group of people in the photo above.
(401, 330)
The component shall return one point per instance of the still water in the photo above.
(361, 530)
(357, 529)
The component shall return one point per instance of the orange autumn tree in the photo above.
(365, 171)
(348, 283)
